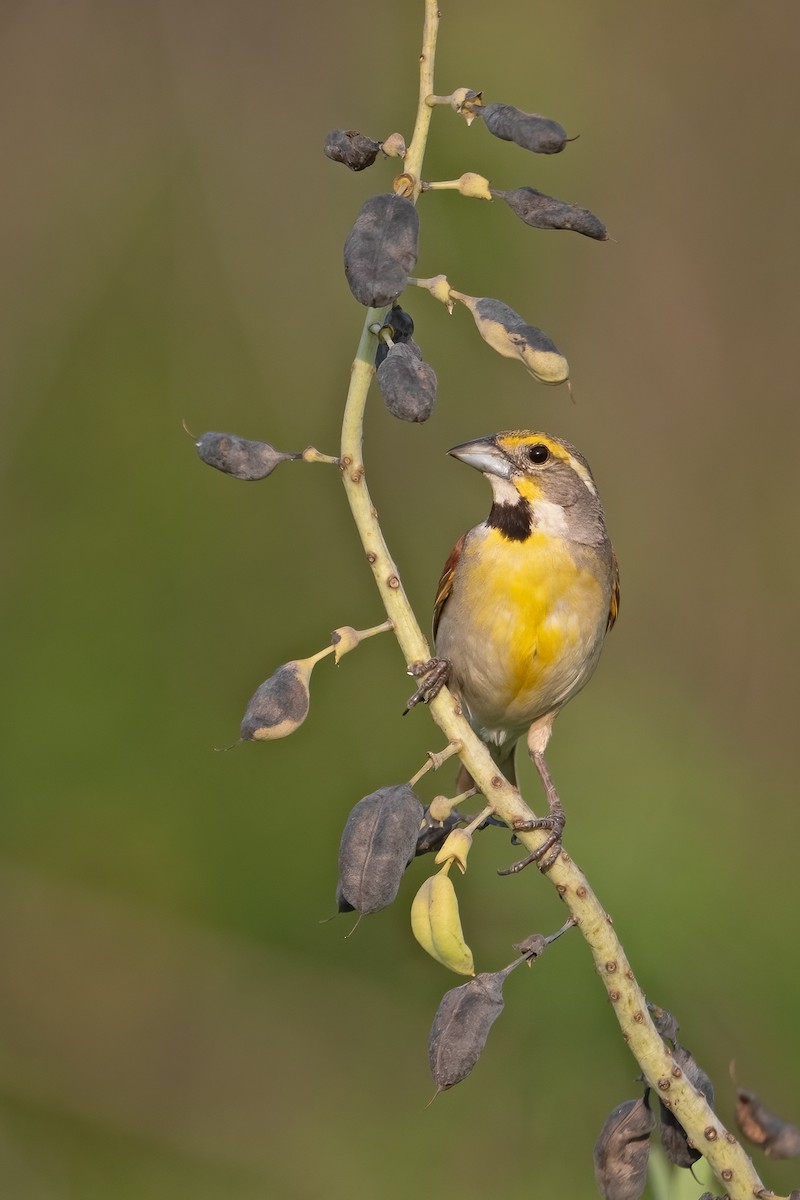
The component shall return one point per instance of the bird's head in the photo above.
(537, 481)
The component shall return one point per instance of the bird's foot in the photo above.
(434, 675)
(545, 855)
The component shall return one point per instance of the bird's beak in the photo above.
(484, 456)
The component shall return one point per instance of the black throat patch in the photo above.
(512, 521)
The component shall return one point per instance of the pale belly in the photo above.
(522, 631)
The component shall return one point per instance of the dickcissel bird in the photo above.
(524, 603)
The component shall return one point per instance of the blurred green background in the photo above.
(176, 1020)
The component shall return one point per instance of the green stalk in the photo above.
(726, 1156)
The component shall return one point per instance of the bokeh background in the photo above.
(176, 1020)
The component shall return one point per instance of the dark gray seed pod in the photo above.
(401, 327)
(352, 148)
(664, 1022)
(529, 130)
(381, 249)
(408, 384)
(674, 1141)
(343, 905)
(239, 456)
(763, 1127)
(378, 842)
(461, 1027)
(622, 1151)
(545, 212)
(279, 705)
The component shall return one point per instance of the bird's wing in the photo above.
(446, 582)
(614, 608)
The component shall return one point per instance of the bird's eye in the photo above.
(538, 453)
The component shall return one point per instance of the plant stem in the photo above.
(724, 1153)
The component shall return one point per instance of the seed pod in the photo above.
(280, 704)
(664, 1022)
(674, 1140)
(400, 326)
(239, 456)
(433, 836)
(506, 332)
(622, 1151)
(381, 249)
(408, 384)
(436, 924)
(529, 130)
(763, 1127)
(378, 842)
(352, 148)
(545, 212)
(461, 1027)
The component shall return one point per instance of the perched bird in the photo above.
(524, 602)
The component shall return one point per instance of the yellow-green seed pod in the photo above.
(436, 924)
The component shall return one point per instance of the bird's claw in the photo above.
(434, 674)
(545, 855)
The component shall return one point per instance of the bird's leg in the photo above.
(434, 675)
(546, 854)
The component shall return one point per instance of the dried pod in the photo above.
(622, 1151)
(239, 456)
(436, 924)
(763, 1127)
(664, 1022)
(280, 704)
(408, 384)
(461, 1027)
(529, 130)
(352, 148)
(381, 249)
(674, 1141)
(506, 332)
(545, 212)
(378, 842)
(400, 326)
(532, 947)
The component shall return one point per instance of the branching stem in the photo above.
(724, 1153)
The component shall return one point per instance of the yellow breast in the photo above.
(523, 627)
